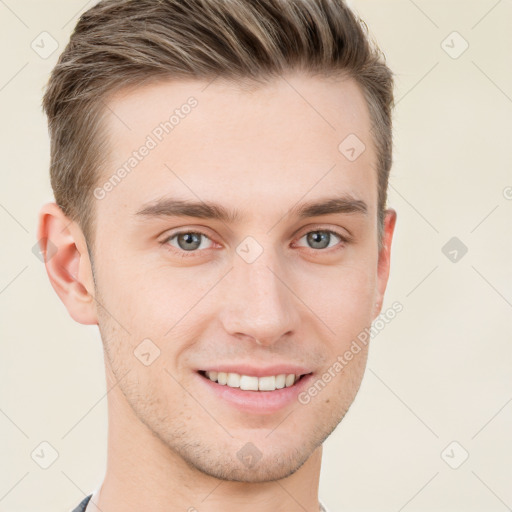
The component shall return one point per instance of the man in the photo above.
(220, 171)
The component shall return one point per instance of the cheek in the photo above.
(134, 289)
(343, 297)
(156, 302)
(357, 290)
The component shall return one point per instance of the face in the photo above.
(241, 283)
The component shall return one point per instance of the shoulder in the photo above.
(83, 504)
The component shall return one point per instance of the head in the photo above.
(275, 118)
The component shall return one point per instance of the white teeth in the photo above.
(266, 383)
(233, 380)
(280, 381)
(250, 383)
(290, 379)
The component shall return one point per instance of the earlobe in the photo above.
(67, 263)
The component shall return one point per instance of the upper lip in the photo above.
(258, 371)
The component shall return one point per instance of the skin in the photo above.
(261, 152)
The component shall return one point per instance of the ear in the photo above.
(67, 263)
(384, 259)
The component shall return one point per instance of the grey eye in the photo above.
(321, 239)
(188, 240)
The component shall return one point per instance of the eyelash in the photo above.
(187, 254)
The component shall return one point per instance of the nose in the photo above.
(258, 302)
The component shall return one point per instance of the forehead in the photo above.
(295, 137)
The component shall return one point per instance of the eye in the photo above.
(187, 241)
(321, 238)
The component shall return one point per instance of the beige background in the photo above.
(440, 372)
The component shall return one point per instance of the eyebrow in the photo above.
(169, 207)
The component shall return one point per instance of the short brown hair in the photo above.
(119, 43)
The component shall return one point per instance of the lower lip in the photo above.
(257, 402)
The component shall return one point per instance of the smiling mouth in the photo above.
(252, 383)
